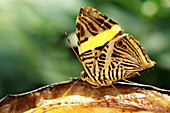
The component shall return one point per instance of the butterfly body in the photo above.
(106, 52)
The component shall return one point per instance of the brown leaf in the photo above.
(84, 98)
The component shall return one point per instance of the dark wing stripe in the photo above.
(117, 77)
(116, 55)
(99, 77)
(98, 22)
(113, 75)
(132, 48)
(101, 47)
(94, 70)
(107, 25)
(78, 36)
(101, 62)
(96, 17)
(143, 52)
(121, 49)
(89, 62)
(109, 68)
(104, 77)
(78, 26)
(101, 65)
(128, 62)
(87, 53)
(121, 71)
(112, 65)
(90, 24)
(85, 39)
(81, 29)
(84, 55)
(102, 56)
(128, 65)
(90, 74)
(78, 43)
(109, 76)
(83, 59)
(111, 21)
(93, 33)
(105, 50)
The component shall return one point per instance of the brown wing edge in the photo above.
(23, 102)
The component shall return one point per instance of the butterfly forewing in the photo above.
(93, 32)
(106, 52)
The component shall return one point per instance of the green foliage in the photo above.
(34, 51)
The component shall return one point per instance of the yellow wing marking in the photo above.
(99, 39)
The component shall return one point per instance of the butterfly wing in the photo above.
(93, 31)
(106, 53)
(123, 57)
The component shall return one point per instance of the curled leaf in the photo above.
(84, 98)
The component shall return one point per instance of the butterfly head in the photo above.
(85, 77)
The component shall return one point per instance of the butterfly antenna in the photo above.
(129, 81)
(74, 49)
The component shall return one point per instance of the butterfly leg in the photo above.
(70, 88)
(95, 88)
(117, 91)
(129, 81)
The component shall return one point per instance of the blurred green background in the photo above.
(34, 51)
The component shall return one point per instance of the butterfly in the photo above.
(106, 53)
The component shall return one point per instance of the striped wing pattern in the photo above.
(106, 52)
